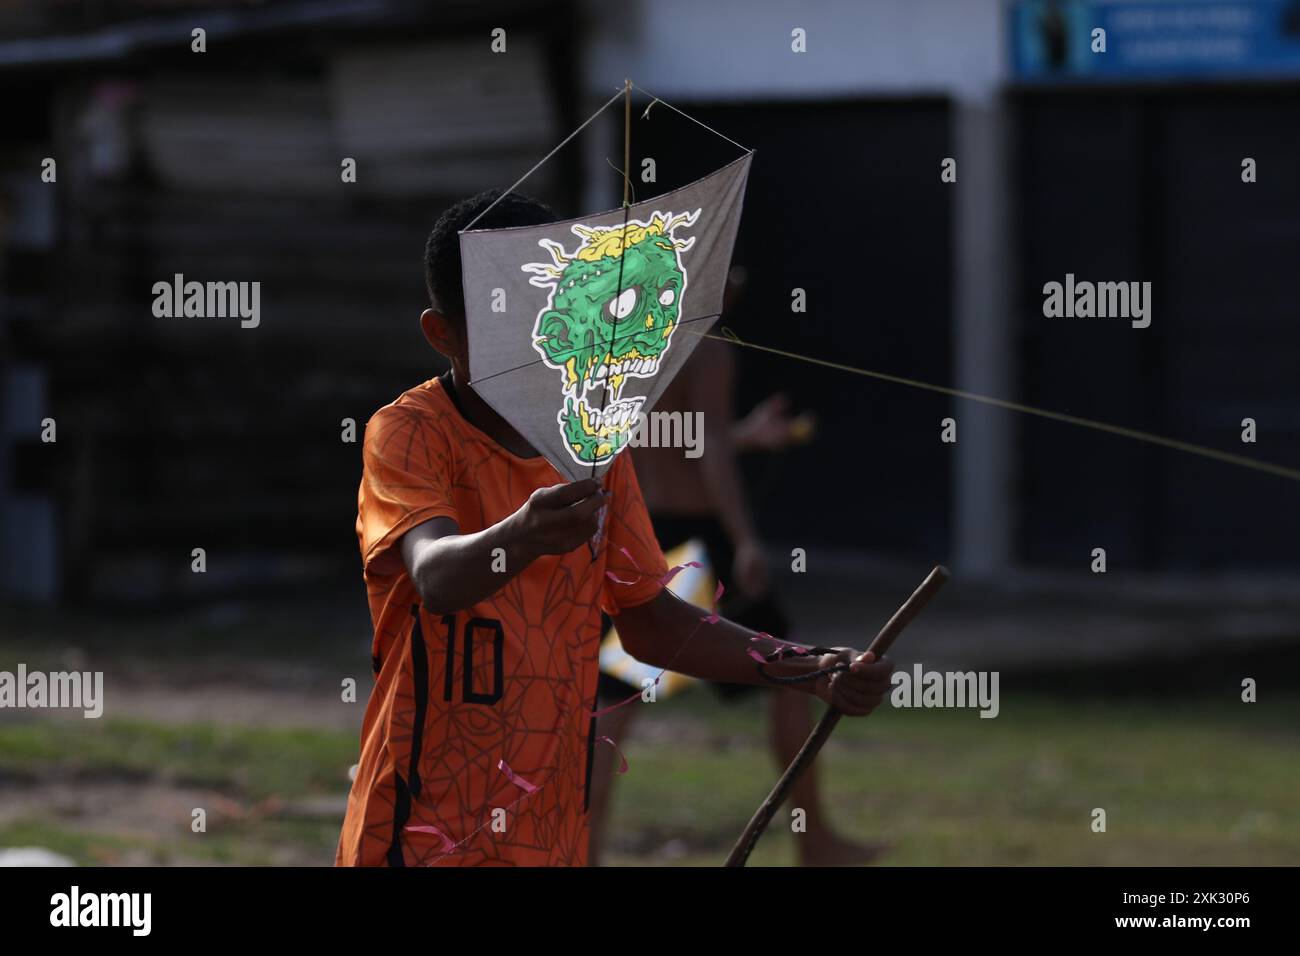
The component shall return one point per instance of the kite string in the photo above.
(657, 99)
(1150, 438)
(1190, 448)
(564, 142)
(621, 174)
(622, 91)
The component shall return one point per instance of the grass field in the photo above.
(1183, 782)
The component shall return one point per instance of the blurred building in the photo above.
(225, 165)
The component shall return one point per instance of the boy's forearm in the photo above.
(459, 570)
(668, 632)
(453, 571)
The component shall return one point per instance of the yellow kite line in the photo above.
(1205, 452)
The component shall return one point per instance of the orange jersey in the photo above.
(511, 678)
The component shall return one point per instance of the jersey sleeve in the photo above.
(405, 481)
(629, 528)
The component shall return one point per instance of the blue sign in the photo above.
(1152, 40)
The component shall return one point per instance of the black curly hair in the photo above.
(442, 252)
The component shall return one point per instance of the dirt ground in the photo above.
(277, 667)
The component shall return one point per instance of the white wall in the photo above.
(741, 48)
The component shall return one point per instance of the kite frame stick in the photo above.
(627, 140)
(821, 733)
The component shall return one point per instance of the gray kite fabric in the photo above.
(576, 327)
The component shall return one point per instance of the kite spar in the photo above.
(627, 140)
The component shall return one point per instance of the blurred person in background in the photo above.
(704, 499)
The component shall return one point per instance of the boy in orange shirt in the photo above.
(478, 737)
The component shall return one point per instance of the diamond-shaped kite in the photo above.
(576, 327)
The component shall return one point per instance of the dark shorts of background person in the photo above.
(762, 614)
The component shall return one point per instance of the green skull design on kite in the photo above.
(599, 331)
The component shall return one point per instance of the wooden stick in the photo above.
(804, 758)
(627, 138)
